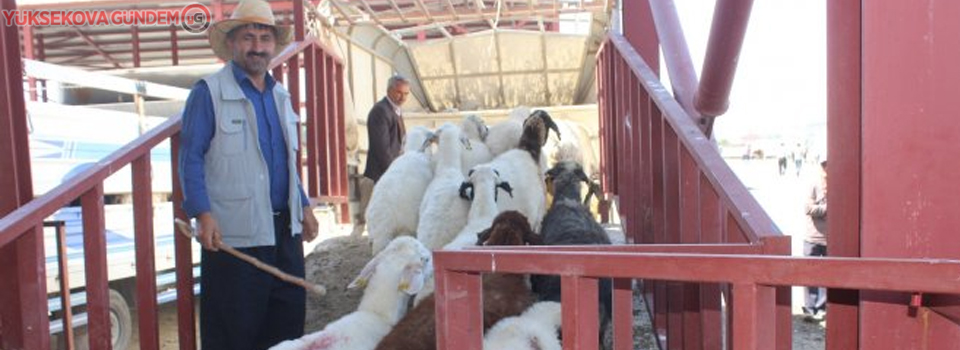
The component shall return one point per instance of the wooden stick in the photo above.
(317, 289)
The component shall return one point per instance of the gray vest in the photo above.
(237, 179)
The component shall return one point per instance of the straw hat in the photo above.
(248, 11)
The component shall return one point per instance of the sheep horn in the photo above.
(594, 191)
(506, 187)
(464, 186)
(549, 122)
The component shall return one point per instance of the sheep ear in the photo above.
(553, 172)
(466, 191)
(506, 187)
(466, 143)
(431, 138)
(366, 273)
(411, 280)
(483, 236)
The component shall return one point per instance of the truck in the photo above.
(65, 140)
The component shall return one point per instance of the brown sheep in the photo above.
(503, 295)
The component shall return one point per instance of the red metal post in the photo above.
(310, 72)
(95, 268)
(622, 314)
(753, 305)
(293, 74)
(135, 41)
(174, 47)
(29, 52)
(341, 147)
(690, 234)
(641, 32)
(23, 303)
(323, 125)
(844, 119)
(908, 128)
(146, 270)
(730, 18)
(186, 326)
(580, 315)
(41, 56)
(710, 297)
(459, 292)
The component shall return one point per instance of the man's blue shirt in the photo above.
(199, 127)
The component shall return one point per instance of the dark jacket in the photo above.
(385, 132)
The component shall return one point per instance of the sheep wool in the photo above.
(535, 329)
(442, 212)
(395, 202)
(390, 277)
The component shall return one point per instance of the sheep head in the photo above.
(404, 257)
(564, 181)
(536, 129)
(418, 139)
(474, 127)
(484, 176)
(509, 228)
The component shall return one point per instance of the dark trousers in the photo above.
(816, 297)
(243, 307)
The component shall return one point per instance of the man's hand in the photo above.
(209, 232)
(310, 224)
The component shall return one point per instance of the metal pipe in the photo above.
(676, 54)
(730, 18)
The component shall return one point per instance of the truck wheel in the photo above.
(121, 322)
(121, 325)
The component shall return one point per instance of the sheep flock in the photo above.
(463, 185)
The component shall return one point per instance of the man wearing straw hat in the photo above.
(238, 172)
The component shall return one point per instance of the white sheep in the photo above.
(482, 188)
(505, 135)
(523, 169)
(442, 212)
(475, 151)
(535, 329)
(389, 278)
(396, 198)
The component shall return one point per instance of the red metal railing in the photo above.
(753, 278)
(326, 177)
(686, 194)
(23, 327)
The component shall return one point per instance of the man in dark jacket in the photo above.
(385, 132)
(385, 128)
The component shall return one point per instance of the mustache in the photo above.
(255, 54)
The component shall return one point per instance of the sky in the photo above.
(780, 84)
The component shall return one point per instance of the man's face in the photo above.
(398, 94)
(253, 48)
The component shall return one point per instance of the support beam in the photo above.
(372, 13)
(426, 11)
(29, 52)
(174, 46)
(97, 48)
(730, 18)
(135, 36)
(399, 12)
(339, 9)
